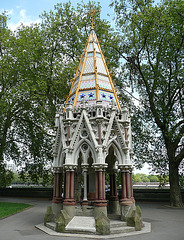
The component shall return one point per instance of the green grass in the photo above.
(7, 209)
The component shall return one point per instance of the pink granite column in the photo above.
(126, 190)
(57, 193)
(100, 189)
(69, 188)
(113, 187)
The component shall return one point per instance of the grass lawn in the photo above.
(7, 209)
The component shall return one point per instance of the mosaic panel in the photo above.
(75, 85)
(100, 66)
(89, 67)
(88, 77)
(103, 78)
(90, 54)
(104, 84)
(90, 47)
(88, 84)
(71, 99)
(98, 55)
(96, 47)
(106, 96)
(87, 95)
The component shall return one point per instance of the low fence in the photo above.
(139, 194)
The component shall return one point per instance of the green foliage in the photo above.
(153, 178)
(163, 179)
(6, 176)
(136, 179)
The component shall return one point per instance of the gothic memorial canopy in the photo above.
(93, 137)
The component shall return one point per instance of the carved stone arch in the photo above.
(117, 151)
(78, 149)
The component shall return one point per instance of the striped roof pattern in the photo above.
(92, 80)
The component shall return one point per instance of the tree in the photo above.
(153, 47)
(37, 64)
(153, 178)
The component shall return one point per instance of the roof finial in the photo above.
(92, 12)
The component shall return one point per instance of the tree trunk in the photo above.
(175, 191)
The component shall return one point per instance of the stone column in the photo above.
(85, 199)
(126, 189)
(113, 198)
(131, 185)
(69, 202)
(100, 202)
(126, 201)
(57, 191)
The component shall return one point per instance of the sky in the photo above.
(28, 11)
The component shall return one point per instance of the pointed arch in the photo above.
(120, 156)
(78, 149)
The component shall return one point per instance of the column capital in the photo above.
(84, 167)
(124, 168)
(70, 167)
(100, 167)
(58, 169)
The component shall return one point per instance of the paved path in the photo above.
(167, 223)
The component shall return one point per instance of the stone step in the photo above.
(86, 211)
(116, 223)
(124, 229)
(114, 216)
(81, 224)
(51, 225)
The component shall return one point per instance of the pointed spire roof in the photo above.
(92, 80)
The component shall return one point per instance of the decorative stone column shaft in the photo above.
(57, 191)
(113, 186)
(113, 198)
(85, 199)
(126, 188)
(100, 188)
(69, 187)
(69, 201)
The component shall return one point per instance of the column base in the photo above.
(57, 200)
(100, 203)
(91, 196)
(69, 202)
(125, 202)
(98, 209)
(114, 207)
(70, 209)
(126, 211)
(113, 198)
(85, 203)
(56, 208)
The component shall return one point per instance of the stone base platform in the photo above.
(81, 226)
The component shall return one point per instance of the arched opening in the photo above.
(78, 181)
(84, 176)
(111, 182)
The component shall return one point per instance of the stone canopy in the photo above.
(93, 138)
